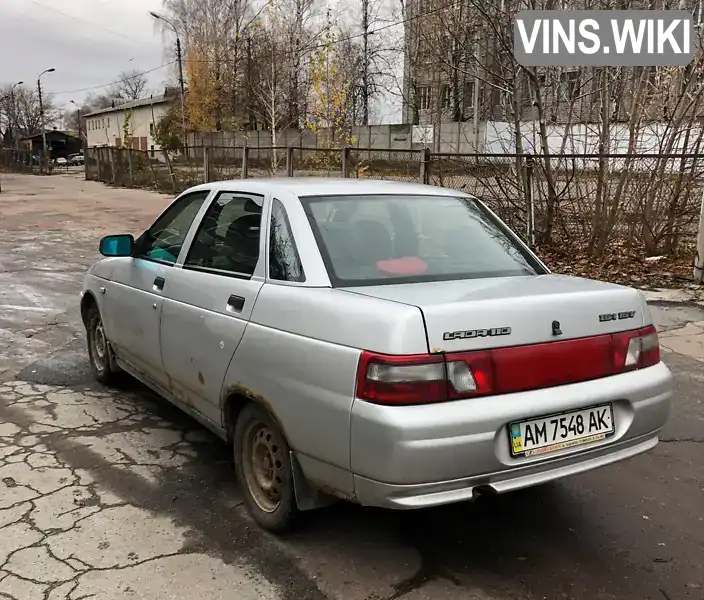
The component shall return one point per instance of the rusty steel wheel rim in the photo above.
(263, 463)
(100, 346)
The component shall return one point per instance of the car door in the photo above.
(209, 301)
(134, 296)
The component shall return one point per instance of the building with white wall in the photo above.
(106, 127)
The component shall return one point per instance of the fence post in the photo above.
(530, 209)
(206, 164)
(98, 164)
(245, 162)
(346, 162)
(425, 166)
(131, 166)
(289, 161)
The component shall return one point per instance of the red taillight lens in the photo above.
(636, 349)
(414, 379)
(470, 374)
(426, 378)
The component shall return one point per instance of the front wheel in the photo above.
(263, 465)
(102, 361)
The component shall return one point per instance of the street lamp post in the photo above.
(78, 110)
(14, 114)
(180, 70)
(41, 111)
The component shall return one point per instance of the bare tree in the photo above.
(19, 108)
(132, 85)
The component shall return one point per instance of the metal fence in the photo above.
(596, 202)
(21, 161)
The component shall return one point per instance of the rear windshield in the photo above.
(372, 240)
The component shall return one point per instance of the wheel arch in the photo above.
(235, 399)
(87, 301)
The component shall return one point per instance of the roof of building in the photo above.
(68, 134)
(157, 99)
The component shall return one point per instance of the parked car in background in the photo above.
(76, 159)
(390, 344)
(61, 162)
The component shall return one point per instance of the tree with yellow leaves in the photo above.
(330, 94)
(202, 92)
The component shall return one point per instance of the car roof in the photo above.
(320, 186)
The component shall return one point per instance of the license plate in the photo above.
(557, 432)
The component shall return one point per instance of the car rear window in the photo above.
(377, 239)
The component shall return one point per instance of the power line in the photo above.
(75, 18)
(351, 37)
(103, 85)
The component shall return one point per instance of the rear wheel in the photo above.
(263, 465)
(102, 361)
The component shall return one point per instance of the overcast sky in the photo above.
(88, 45)
(89, 42)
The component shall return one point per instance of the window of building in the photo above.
(227, 240)
(425, 6)
(424, 49)
(108, 121)
(469, 98)
(151, 130)
(284, 260)
(423, 97)
(569, 85)
(446, 97)
(151, 151)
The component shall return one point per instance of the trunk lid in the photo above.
(475, 314)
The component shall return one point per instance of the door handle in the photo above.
(235, 303)
(159, 284)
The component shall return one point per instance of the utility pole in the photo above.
(179, 56)
(250, 91)
(41, 114)
(78, 109)
(15, 124)
(365, 66)
(41, 120)
(181, 84)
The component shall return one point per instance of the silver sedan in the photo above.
(389, 344)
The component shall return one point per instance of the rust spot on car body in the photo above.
(242, 390)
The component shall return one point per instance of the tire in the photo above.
(263, 466)
(102, 360)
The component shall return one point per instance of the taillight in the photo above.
(427, 378)
(413, 379)
(636, 349)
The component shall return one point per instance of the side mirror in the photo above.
(117, 245)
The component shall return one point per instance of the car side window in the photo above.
(227, 240)
(164, 239)
(284, 260)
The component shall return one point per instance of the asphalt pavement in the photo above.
(113, 493)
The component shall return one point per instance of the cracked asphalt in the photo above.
(113, 493)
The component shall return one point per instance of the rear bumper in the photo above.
(408, 457)
(375, 493)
